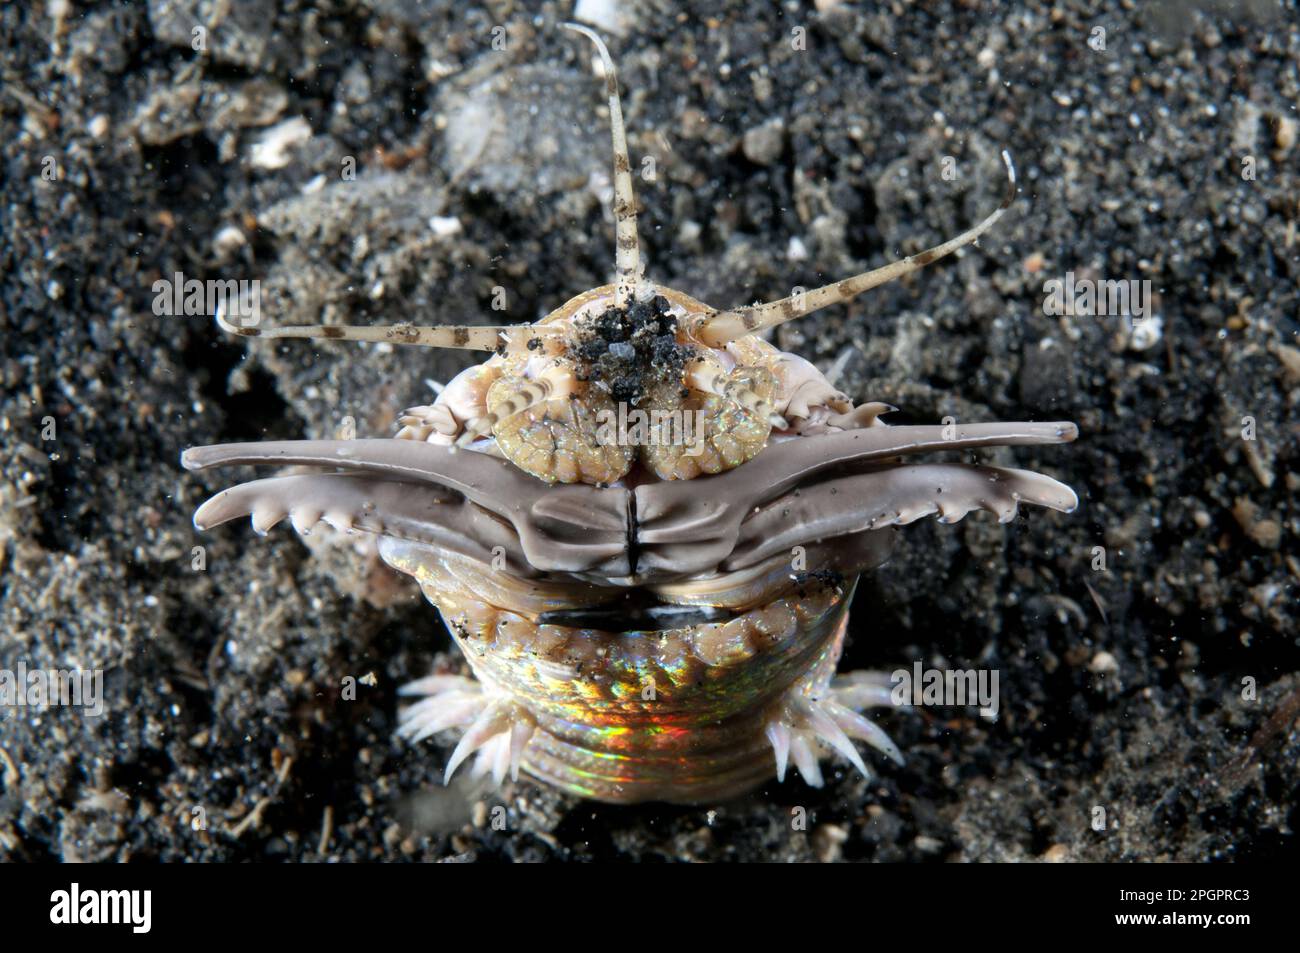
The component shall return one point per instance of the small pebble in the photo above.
(763, 144)
(273, 149)
(1103, 663)
(827, 841)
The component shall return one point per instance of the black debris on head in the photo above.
(632, 352)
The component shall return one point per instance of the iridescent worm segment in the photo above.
(644, 618)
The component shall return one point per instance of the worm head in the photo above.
(633, 381)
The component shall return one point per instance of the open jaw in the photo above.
(423, 492)
(739, 587)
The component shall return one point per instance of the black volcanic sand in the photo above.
(1123, 689)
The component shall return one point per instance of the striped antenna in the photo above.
(717, 329)
(627, 253)
(461, 336)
